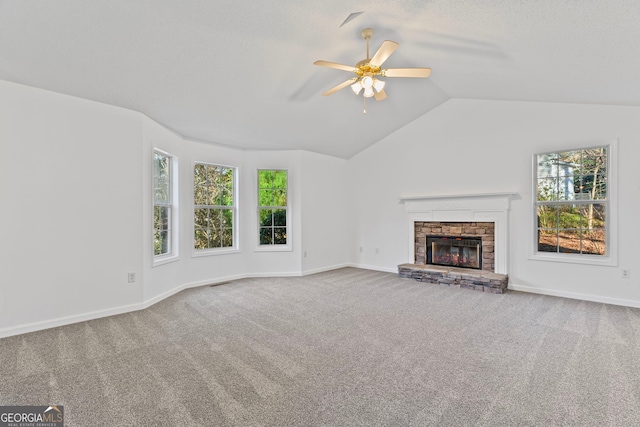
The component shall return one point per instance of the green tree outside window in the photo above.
(572, 201)
(272, 206)
(214, 206)
(162, 203)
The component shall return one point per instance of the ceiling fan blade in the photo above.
(406, 72)
(385, 51)
(340, 86)
(335, 65)
(380, 95)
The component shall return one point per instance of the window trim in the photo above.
(611, 242)
(235, 248)
(174, 253)
(288, 247)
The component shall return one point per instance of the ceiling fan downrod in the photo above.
(366, 34)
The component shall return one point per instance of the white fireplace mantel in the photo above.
(486, 207)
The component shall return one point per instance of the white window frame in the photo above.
(235, 247)
(288, 247)
(173, 253)
(611, 242)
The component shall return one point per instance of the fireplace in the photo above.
(457, 244)
(464, 252)
(483, 217)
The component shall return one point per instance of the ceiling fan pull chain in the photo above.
(364, 105)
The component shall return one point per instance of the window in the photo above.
(163, 208)
(214, 206)
(272, 207)
(573, 203)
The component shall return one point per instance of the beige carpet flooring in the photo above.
(349, 347)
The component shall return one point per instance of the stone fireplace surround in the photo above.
(473, 214)
(484, 230)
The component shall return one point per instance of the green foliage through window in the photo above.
(272, 206)
(162, 208)
(214, 206)
(572, 202)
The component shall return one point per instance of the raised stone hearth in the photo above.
(478, 280)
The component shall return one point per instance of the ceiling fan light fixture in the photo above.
(367, 82)
(378, 85)
(356, 87)
(368, 92)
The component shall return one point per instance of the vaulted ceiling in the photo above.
(242, 74)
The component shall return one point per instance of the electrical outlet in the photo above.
(377, 251)
(131, 277)
(625, 273)
(305, 254)
(361, 249)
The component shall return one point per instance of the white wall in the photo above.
(326, 232)
(266, 262)
(76, 181)
(71, 208)
(474, 146)
(306, 171)
(314, 180)
(186, 270)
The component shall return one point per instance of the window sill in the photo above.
(273, 248)
(164, 259)
(212, 252)
(605, 261)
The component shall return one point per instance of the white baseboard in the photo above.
(275, 274)
(61, 321)
(575, 295)
(324, 269)
(67, 320)
(214, 281)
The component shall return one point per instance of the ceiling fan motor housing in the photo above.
(363, 67)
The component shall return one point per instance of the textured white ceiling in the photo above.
(241, 73)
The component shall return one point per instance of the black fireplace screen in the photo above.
(463, 252)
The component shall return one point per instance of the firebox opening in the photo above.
(465, 252)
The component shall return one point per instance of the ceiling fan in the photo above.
(368, 69)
